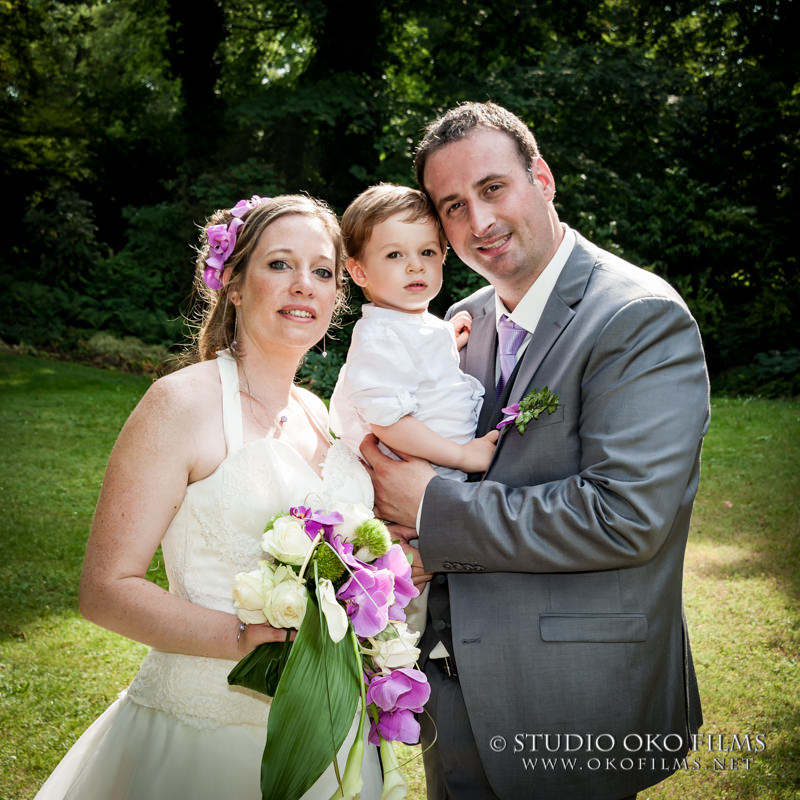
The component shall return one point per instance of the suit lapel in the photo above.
(478, 357)
(557, 315)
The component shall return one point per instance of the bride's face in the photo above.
(288, 292)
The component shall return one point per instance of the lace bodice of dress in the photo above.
(215, 534)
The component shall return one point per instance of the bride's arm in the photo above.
(164, 442)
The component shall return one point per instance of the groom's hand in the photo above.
(408, 539)
(399, 485)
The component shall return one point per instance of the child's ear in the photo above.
(356, 272)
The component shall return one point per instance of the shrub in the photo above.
(318, 373)
(772, 374)
(127, 353)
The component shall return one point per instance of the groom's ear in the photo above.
(356, 272)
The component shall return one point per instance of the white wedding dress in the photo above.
(179, 730)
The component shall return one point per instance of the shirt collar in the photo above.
(529, 309)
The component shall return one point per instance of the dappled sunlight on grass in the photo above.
(703, 559)
(741, 584)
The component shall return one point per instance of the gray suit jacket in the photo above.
(565, 561)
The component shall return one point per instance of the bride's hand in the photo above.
(248, 637)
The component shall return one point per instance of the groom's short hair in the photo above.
(376, 205)
(460, 121)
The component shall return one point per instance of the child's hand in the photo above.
(462, 324)
(476, 455)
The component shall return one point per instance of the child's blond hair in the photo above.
(376, 205)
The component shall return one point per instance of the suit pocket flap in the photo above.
(544, 420)
(593, 627)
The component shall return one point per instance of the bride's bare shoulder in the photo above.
(186, 394)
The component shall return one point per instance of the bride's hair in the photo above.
(214, 318)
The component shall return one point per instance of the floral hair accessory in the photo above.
(244, 207)
(531, 406)
(222, 240)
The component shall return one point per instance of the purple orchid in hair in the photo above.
(212, 278)
(221, 241)
(244, 207)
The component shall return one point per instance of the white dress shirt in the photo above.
(529, 310)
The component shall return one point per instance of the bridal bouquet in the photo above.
(336, 577)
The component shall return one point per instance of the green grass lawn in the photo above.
(58, 672)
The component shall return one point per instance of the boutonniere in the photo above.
(530, 407)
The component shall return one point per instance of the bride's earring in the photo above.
(235, 342)
(325, 346)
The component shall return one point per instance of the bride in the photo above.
(209, 455)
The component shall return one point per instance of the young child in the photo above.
(402, 379)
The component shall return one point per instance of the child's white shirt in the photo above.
(399, 364)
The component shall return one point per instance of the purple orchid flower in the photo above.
(344, 550)
(314, 521)
(367, 596)
(318, 520)
(511, 412)
(222, 241)
(212, 276)
(394, 726)
(403, 688)
(243, 207)
(404, 590)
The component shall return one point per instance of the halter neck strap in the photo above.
(231, 401)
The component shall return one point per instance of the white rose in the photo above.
(250, 590)
(398, 652)
(353, 515)
(286, 606)
(287, 541)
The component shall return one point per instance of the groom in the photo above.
(556, 645)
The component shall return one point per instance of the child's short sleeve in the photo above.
(382, 376)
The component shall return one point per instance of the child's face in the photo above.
(401, 266)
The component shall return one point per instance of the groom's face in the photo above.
(496, 211)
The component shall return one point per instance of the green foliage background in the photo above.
(672, 131)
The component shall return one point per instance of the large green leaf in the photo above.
(262, 668)
(312, 711)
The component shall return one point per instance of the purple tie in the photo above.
(510, 336)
